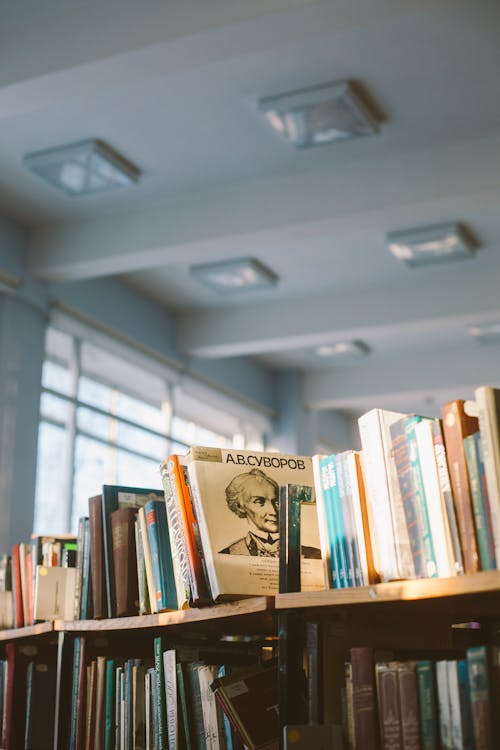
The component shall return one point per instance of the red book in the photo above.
(16, 587)
(364, 698)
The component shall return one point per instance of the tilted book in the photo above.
(235, 498)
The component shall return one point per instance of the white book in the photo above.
(6, 610)
(443, 695)
(457, 737)
(488, 408)
(322, 523)
(235, 498)
(388, 530)
(54, 593)
(169, 669)
(148, 563)
(354, 467)
(206, 675)
(180, 561)
(434, 500)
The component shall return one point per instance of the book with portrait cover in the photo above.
(235, 497)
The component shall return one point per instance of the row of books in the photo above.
(174, 699)
(424, 704)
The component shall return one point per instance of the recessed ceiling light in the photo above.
(320, 114)
(485, 333)
(343, 349)
(431, 244)
(237, 275)
(82, 168)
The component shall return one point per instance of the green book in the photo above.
(109, 718)
(479, 498)
(427, 705)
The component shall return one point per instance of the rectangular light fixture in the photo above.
(82, 168)
(320, 114)
(431, 244)
(485, 333)
(343, 349)
(236, 275)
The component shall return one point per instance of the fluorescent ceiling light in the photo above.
(82, 168)
(343, 349)
(485, 333)
(319, 114)
(431, 244)
(236, 275)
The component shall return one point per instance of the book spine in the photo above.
(457, 738)
(350, 478)
(328, 513)
(336, 530)
(79, 568)
(197, 710)
(488, 409)
(389, 705)
(159, 582)
(28, 731)
(124, 561)
(74, 693)
(314, 659)
(444, 480)
(161, 555)
(148, 562)
(427, 704)
(408, 496)
(322, 525)
(347, 524)
(483, 534)
(86, 596)
(195, 547)
(364, 698)
(160, 694)
(486, 498)
(408, 697)
(180, 561)
(477, 664)
(209, 566)
(289, 527)
(172, 719)
(97, 558)
(465, 705)
(109, 734)
(142, 584)
(420, 499)
(184, 702)
(443, 699)
(17, 588)
(456, 426)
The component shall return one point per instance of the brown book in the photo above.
(125, 561)
(90, 727)
(364, 698)
(457, 425)
(99, 728)
(391, 734)
(97, 557)
(408, 700)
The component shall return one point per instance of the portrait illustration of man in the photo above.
(255, 496)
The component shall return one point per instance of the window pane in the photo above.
(94, 466)
(51, 489)
(137, 411)
(95, 394)
(55, 408)
(137, 472)
(57, 377)
(192, 434)
(141, 441)
(93, 423)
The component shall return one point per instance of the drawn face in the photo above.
(259, 500)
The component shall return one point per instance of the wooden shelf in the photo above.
(28, 632)
(241, 608)
(396, 592)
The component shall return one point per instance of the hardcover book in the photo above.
(488, 407)
(235, 497)
(54, 593)
(125, 561)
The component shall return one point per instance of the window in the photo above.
(105, 419)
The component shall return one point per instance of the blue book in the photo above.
(161, 556)
(335, 523)
(328, 508)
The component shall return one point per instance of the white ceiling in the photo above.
(175, 89)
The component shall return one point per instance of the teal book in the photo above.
(159, 710)
(427, 705)
(420, 499)
(289, 529)
(325, 486)
(334, 520)
(184, 704)
(86, 588)
(77, 648)
(465, 707)
(480, 699)
(479, 498)
(346, 494)
(109, 717)
(196, 704)
(161, 557)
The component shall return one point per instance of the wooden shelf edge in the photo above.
(250, 606)
(395, 591)
(27, 632)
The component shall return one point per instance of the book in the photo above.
(319, 737)
(54, 593)
(125, 561)
(443, 700)
(391, 730)
(113, 498)
(408, 700)
(16, 587)
(235, 496)
(427, 704)
(457, 424)
(289, 531)
(364, 696)
(96, 550)
(250, 700)
(328, 519)
(6, 610)
(40, 693)
(488, 409)
(161, 557)
(480, 501)
(388, 530)
(479, 686)
(177, 535)
(445, 484)
(330, 567)
(434, 499)
(143, 545)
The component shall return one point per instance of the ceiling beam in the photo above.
(239, 218)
